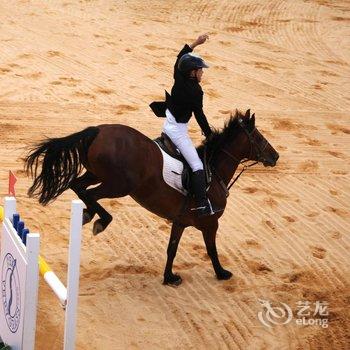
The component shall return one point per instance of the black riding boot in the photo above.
(203, 206)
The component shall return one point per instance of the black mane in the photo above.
(220, 137)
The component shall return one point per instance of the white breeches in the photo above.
(178, 133)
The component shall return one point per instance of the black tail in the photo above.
(61, 163)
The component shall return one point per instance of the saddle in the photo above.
(165, 143)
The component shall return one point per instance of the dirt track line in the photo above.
(311, 228)
(289, 248)
(198, 297)
(149, 238)
(328, 265)
(210, 293)
(199, 287)
(185, 328)
(80, 67)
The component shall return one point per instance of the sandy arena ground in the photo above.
(67, 65)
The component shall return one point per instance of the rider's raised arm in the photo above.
(189, 48)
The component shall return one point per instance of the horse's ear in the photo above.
(252, 121)
(247, 114)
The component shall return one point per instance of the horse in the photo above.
(121, 161)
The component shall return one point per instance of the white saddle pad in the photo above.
(172, 171)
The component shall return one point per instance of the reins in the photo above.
(238, 163)
(245, 167)
(241, 172)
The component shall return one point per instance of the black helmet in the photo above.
(190, 61)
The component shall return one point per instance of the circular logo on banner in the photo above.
(274, 314)
(11, 293)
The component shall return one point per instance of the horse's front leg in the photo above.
(175, 236)
(209, 235)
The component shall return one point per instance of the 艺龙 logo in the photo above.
(273, 315)
(11, 293)
(304, 316)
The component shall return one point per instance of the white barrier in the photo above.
(19, 266)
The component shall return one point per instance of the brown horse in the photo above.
(122, 161)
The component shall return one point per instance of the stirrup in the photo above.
(205, 210)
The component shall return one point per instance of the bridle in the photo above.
(253, 146)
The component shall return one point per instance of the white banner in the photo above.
(19, 284)
(13, 267)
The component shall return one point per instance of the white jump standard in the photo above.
(19, 267)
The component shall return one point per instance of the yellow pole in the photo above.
(43, 266)
(53, 281)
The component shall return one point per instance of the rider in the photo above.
(187, 97)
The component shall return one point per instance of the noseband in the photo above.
(253, 146)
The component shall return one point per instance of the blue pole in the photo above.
(20, 227)
(24, 235)
(15, 220)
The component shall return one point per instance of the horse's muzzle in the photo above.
(272, 160)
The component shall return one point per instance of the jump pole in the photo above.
(53, 281)
(68, 296)
(76, 223)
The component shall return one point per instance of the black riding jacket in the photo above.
(187, 97)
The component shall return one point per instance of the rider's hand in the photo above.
(200, 40)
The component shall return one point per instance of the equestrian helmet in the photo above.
(190, 61)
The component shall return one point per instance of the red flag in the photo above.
(12, 181)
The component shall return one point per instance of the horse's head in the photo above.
(240, 140)
(259, 148)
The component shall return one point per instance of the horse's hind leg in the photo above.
(79, 186)
(93, 195)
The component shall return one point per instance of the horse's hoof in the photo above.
(224, 275)
(173, 280)
(86, 217)
(98, 227)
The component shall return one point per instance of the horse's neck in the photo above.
(226, 166)
(226, 170)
